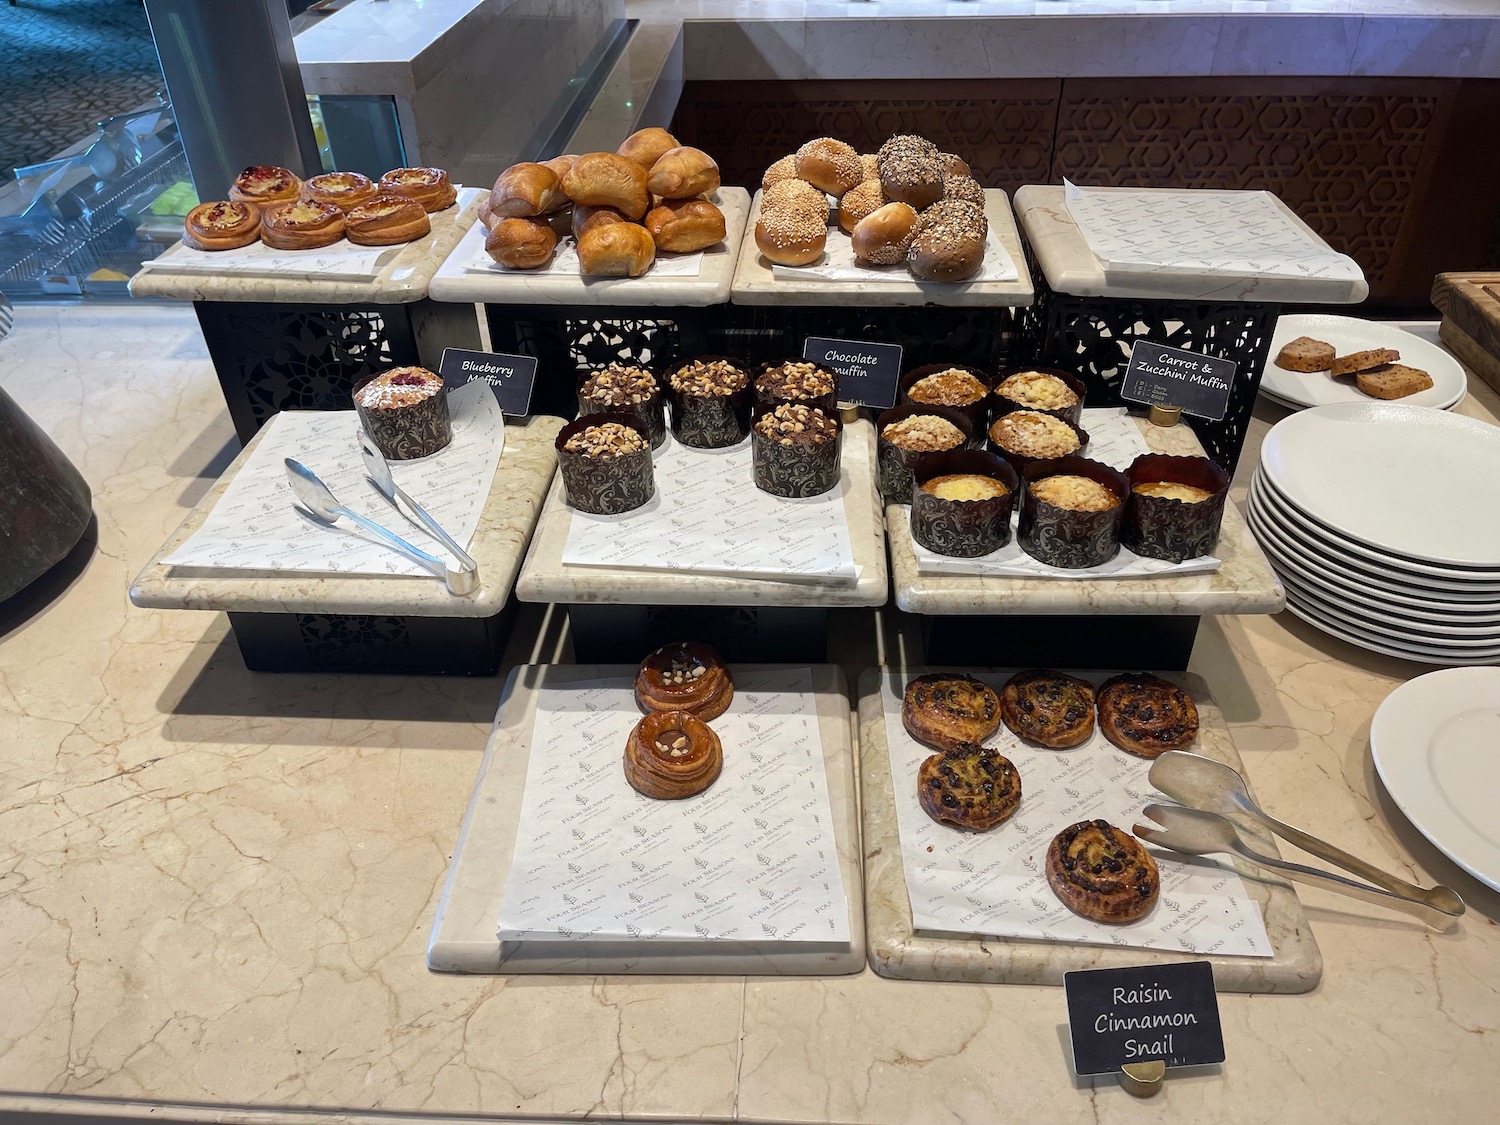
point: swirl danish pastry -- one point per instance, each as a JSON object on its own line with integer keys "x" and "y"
{"x": 1050, "y": 709}
{"x": 1102, "y": 873}
{"x": 671, "y": 755}
{"x": 345, "y": 190}
{"x": 684, "y": 676}
{"x": 949, "y": 710}
{"x": 1145, "y": 715}
{"x": 221, "y": 225}
{"x": 302, "y": 225}
{"x": 428, "y": 186}
{"x": 385, "y": 221}
{"x": 970, "y": 787}
{"x": 265, "y": 185}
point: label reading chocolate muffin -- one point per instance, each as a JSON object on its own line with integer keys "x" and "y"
{"x": 868, "y": 372}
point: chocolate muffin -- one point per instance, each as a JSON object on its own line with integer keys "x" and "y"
{"x": 796, "y": 450}
{"x": 797, "y": 381}
{"x": 625, "y": 389}
{"x": 710, "y": 402}
{"x": 605, "y": 463}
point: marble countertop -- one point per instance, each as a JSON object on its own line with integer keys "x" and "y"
{"x": 756, "y": 284}
{"x": 1244, "y": 584}
{"x": 400, "y": 281}
{"x": 218, "y": 885}
{"x": 505, "y": 525}
{"x": 1069, "y": 265}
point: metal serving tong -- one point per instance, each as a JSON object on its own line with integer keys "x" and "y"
{"x": 320, "y": 503}
{"x": 379, "y": 471}
{"x": 1208, "y": 788}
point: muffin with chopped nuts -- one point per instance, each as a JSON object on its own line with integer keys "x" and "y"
{"x": 797, "y": 381}
{"x": 710, "y": 397}
{"x": 905, "y": 435}
{"x": 605, "y": 463}
{"x": 796, "y": 450}
{"x": 965, "y": 389}
{"x": 625, "y": 389}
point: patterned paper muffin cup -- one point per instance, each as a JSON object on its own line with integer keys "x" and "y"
{"x": 605, "y": 486}
{"x": 976, "y": 412}
{"x": 796, "y": 470}
{"x": 1000, "y": 405}
{"x": 964, "y": 529}
{"x": 1017, "y": 461}
{"x": 404, "y": 433}
{"x": 709, "y": 421}
{"x": 1160, "y": 528}
{"x": 828, "y": 404}
{"x": 894, "y": 464}
{"x": 1060, "y": 536}
{"x": 652, "y": 412}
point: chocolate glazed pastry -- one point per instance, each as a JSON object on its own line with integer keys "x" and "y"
{"x": 1163, "y": 528}
{"x": 684, "y": 677}
{"x": 1102, "y": 873}
{"x": 710, "y": 397}
{"x": 964, "y": 529}
{"x": 605, "y": 463}
{"x": 1145, "y": 715}
{"x": 795, "y": 451}
{"x": 949, "y": 710}
{"x": 405, "y": 412}
{"x": 970, "y": 787}
{"x": 671, "y": 755}
{"x": 1048, "y": 708}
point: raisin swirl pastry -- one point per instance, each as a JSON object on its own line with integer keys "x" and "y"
{"x": 265, "y": 185}
{"x": 345, "y": 190}
{"x": 1102, "y": 873}
{"x": 385, "y": 221}
{"x": 221, "y": 225}
{"x": 949, "y": 710}
{"x": 1049, "y": 708}
{"x": 970, "y": 787}
{"x": 1145, "y": 715}
{"x": 303, "y": 225}
{"x": 671, "y": 755}
{"x": 428, "y": 186}
{"x": 684, "y": 677}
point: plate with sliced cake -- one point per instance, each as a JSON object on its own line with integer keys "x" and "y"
{"x": 1317, "y": 359}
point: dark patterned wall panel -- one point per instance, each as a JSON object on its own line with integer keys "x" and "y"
{"x": 1002, "y": 127}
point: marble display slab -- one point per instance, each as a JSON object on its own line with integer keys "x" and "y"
{"x": 400, "y": 281}
{"x": 756, "y": 284}
{"x": 1070, "y": 267}
{"x": 1244, "y": 583}
{"x": 898, "y": 950}
{"x": 454, "y": 282}
{"x": 545, "y": 578}
{"x": 505, "y": 525}
{"x": 463, "y": 934}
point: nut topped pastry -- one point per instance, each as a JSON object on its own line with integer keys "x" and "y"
{"x": 796, "y": 380}
{"x": 792, "y": 424}
{"x": 671, "y": 755}
{"x": 923, "y": 433}
{"x": 1029, "y": 433}
{"x": 795, "y": 451}
{"x": 604, "y": 460}
{"x": 1146, "y": 715}
{"x": 1075, "y": 493}
{"x": 1038, "y": 390}
{"x": 964, "y": 487}
{"x": 684, "y": 676}
{"x": 1102, "y": 872}
{"x": 619, "y": 385}
{"x": 710, "y": 402}
{"x": 405, "y": 412}
{"x": 953, "y": 387}
{"x": 1051, "y": 709}
{"x": 969, "y": 787}
{"x": 949, "y": 710}
{"x": 703, "y": 378}
{"x": 606, "y": 440}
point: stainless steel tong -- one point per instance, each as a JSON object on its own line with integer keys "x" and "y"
{"x": 1208, "y": 789}
{"x": 379, "y": 471}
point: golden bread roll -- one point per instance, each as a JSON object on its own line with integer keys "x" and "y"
{"x": 859, "y": 201}
{"x": 684, "y": 225}
{"x": 521, "y": 244}
{"x": 789, "y": 236}
{"x": 882, "y": 237}
{"x": 645, "y": 146}
{"x": 683, "y": 172}
{"x": 487, "y": 218}
{"x": 616, "y": 250}
{"x": 783, "y": 169}
{"x": 586, "y": 218}
{"x": 525, "y": 190}
{"x": 869, "y": 164}
{"x": 829, "y": 165}
{"x": 607, "y": 179}
{"x": 560, "y": 165}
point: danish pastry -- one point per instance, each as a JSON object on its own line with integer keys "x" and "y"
{"x": 1048, "y": 708}
{"x": 265, "y": 185}
{"x": 671, "y": 755}
{"x": 385, "y": 221}
{"x": 1145, "y": 715}
{"x": 684, "y": 677}
{"x": 970, "y": 787}
{"x": 428, "y": 186}
{"x": 221, "y": 225}
{"x": 303, "y": 225}
{"x": 1102, "y": 873}
{"x": 345, "y": 190}
{"x": 949, "y": 710}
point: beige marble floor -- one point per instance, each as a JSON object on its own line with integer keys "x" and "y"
{"x": 216, "y": 887}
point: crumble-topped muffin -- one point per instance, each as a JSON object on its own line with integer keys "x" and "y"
{"x": 1171, "y": 490}
{"x": 953, "y": 387}
{"x": 1038, "y": 390}
{"x": 964, "y": 486}
{"x": 923, "y": 433}
{"x": 1077, "y": 494}
{"x": 1027, "y": 433}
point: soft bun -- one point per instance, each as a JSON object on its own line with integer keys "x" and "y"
{"x": 829, "y": 165}
{"x": 882, "y": 237}
{"x": 616, "y": 250}
{"x": 560, "y": 165}
{"x": 789, "y": 236}
{"x": 524, "y": 190}
{"x": 521, "y": 244}
{"x": 783, "y": 169}
{"x": 859, "y": 201}
{"x": 947, "y": 250}
{"x": 607, "y": 179}
{"x": 683, "y": 172}
{"x": 685, "y": 225}
{"x": 587, "y": 218}
{"x": 645, "y": 146}
{"x": 798, "y": 195}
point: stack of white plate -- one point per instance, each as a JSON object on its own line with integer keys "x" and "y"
{"x": 1383, "y": 523}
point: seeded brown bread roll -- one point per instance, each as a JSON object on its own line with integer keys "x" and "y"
{"x": 911, "y": 171}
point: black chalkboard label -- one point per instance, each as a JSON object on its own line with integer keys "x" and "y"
{"x": 868, "y": 373}
{"x": 1163, "y": 376}
{"x": 1166, "y": 1012}
{"x": 511, "y": 377}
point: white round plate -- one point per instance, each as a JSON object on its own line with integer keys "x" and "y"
{"x": 1382, "y": 575}
{"x": 1350, "y": 334}
{"x": 1287, "y": 559}
{"x": 1401, "y": 479}
{"x": 1288, "y": 514}
{"x": 1384, "y": 645}
{"x": 1433, "y": 740}
{"x": 1398, "y": 630}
